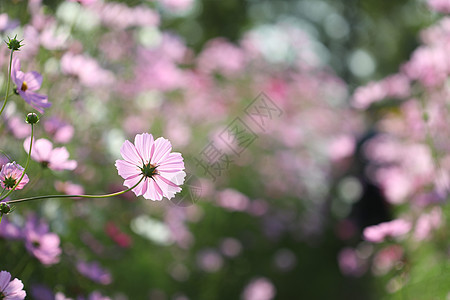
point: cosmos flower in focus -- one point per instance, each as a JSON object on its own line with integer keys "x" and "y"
{"x": 26, "y": 84}
{"x": 56, "y": 159}
{"x": 11, "y": 290}
{"x": 162, "y": 170}
{"x": 10, "y": 174}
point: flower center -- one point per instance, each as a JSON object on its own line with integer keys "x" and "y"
{"x": 36, "y": 244}
{"x": 24, "y": 86}
{"x": 9, "y": 182}
{"x": 149, "y": 170}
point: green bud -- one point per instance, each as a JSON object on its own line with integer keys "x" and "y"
{"x": 32, "y": 118}
{"x": 4, "y": 208}
{"x": 14, "y": 44}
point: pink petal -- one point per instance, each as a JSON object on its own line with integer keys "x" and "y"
{"x": 5, "y": 277}
{"x": 153, "y": 191}
{"x": 13, "y": 287}
{"x": 168, "y": 188}
{"x": 129, "y": 153}
{"x": 127, "y": 169}
{"x": 15, "y": 70}
{"x": 33, "y": 80}
{"x": 144, "y": 143}
{"x": 172, "y": 163}
{"x": 161, "y": 149}
{"x": 131, "y": 181}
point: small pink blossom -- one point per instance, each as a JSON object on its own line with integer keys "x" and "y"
{"x": 11, "y": 290}
{"x": 395, "y": 228}
{"x": 61, "y": 132}
{"x": 10, "y": 174}
{"x": 26, "y": 84}
{"x": 56, "y": 159}
{"x": 350, "y": 263}
{"x": 442, "y": 6}
{"x": 163, "y": 171}
{"x": 41, "y": 243}
{"x": 259, "y": 289}
{"x": 69, "y": 188}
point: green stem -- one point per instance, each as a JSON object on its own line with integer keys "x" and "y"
{"x": 74, "y": 196}
{"x": 26, "y": 166}
{"x": 9, "y": 82}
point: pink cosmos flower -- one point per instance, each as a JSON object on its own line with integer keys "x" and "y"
{"x": 26, "y": 84}
{"x": 395, "y": 228}
{"x": 11, "y": 290}
{"x": 60, "y": 131}
{"x": 163, "y": 171}
{"x": 10, "y": 174}
{"x": 41, "y": 243}
{"x": 56, "y": 159}
{"x": 259, "y": 289}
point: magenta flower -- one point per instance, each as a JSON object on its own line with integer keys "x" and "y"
{"x": 10, "y": 174}
{"x": 56, "y": 159}
{"x": 162, "y": 170}
{"x": 11, "y": 290}
{"x": 26, "y": 84}
{"x": 41, "y": 243}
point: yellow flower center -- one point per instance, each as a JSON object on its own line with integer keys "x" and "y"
{"x": 24, "y": 86}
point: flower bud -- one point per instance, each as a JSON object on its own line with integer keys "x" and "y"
{"x": 14, "y": 44}
{"x": 32, "y": 118}
{"x": 4, "y": 208}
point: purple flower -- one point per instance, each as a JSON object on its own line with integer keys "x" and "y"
{"x": 94, "y": 272}
{"x": 54, "y": 158}
{"x": 10, "y": 174}
{"x": 41, "y": 243}
{"x": 27, "y": 83}
{"x": 163, "y": 171}
{"x": 11, "y": 290}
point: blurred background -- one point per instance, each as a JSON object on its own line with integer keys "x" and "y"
{"x": 258, "y": 97}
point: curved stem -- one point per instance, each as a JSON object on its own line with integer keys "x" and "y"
{"x": 9, "y": 82}
{"x": 75, "y": 196}
{"x": 26, "y": 166}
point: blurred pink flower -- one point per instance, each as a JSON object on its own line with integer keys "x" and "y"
{"x": 9, "y": 230}
{"x": 69, "y": 188}
{"x": 41, "y": 243}
{"x": 18, "y": 127}
{"x": 395, "y": 228}
{"x": 7, "y": 23}
{"x": 209, "y": 260}
{"x": 94, "y": 272}
{"x": 386, "y": 258}
{"x": 232, "y": 200}
{"x": 428, "y": 222}
{"x": 56, "y": 159}
{"x": 259, "y": 289}
{"x": 26, "y": 84}
{"x": 61, "y": 132}
{"x": 350, "y": 263}
{"x": 442, "y": 6}
{"x": 221, "y": 56}
{"x": 11, "y": 290}
{"x": 10, "y": 174}
{"x": 87, "y": 69}
{"x": 163, "y": 171}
